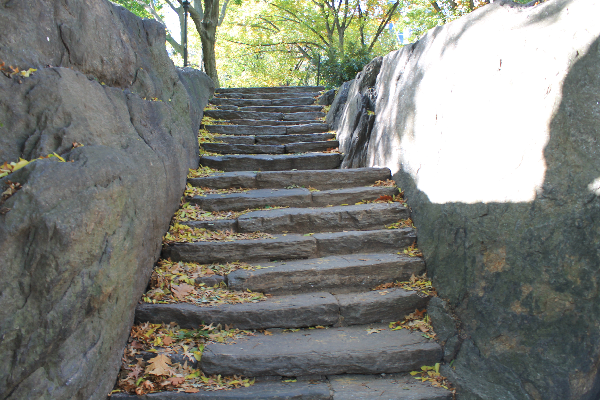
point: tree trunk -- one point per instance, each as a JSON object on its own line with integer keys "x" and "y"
{"x": 207, "y": 27}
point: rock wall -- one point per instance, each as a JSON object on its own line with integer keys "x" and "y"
{"x": 491, "y": 125}
{"x": 79, "y": 240}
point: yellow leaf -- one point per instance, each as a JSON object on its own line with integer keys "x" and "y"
{"x": 27, "y": 73}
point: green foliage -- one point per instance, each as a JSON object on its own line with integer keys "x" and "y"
{"x": 137, "y": 8}
{"x": 338, "y": 68}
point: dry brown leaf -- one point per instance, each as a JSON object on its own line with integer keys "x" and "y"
{"x": 168, "y": 340}
{"x": 176, "y": 381}
{"x": 182, "y": 290}
{"x": 160, "y": 365}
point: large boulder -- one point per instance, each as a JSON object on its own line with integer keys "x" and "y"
{"x": 491, "y": 125}
{"x": 79, "y": 240}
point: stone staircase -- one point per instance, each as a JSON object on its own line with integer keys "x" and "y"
{"x": 325, "y": 256}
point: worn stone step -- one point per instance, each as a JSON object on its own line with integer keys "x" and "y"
{"x": 292, "y": 246}
{"x": 318, "y": 179}
{"x": 266, "y": 129}
{"x": 292, "y": 311}
{"x": 239, "y": 139}
{"x": 338, "y": 274}
{"x": 272, "y": 89}
{"x": 348, "y": 350}
{"x": 266, "y": 390}
{"x": 229, "y": 148}
{"x": 277, "y": 139}
{"x": 327, "y": 219}
{"x": 293, "y": 197}
{"x": 295, "y": 101}
{"x": 283, "y": 95}
{"x": 276, "y": 109}
{"x": 295, "y": 138}
{"x": 282, "y": 162}
{"x": 288, "y": 116}
{"x": 262, "y": 122}
{"x": 390, "y": 387}
{"x": 295, "y": 311}
{"x": 290, "y": 148}
{"x": 303, "y": 147}
{"x": 375, "y": 241}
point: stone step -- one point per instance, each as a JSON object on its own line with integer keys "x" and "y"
{"x": 272, "y": 89}
{"x": 255, "y": 122}
{"x": 263, "y": 162}
{"x": 284, "y": 95}
{"x": 228, "y": 148}
{"x": 293, "y": 311}
{"x": 295, "y": 138}
{"x": 276, "y": 139}
{"x": 275, "y": 109}
{"x": 294, "y": 197}
{"x": 337, "y": 274}
{"x": 294, "y": 101}
{"x": 318, "y": 179}
{"x": 337, "y": 387}
{"x": 290, "y": 148}
{"x": 292, "y": 246}
{"x": 277, "y": 116}
{"x": 390, "y": 387}
{"x": 327, "y": 219}
{"x": 260, "y": 130}
{"x": 266, "y": 390}
{"x": 348, "y": 350}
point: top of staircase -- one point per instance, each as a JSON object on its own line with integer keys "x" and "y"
{"x": 272, "y": 89}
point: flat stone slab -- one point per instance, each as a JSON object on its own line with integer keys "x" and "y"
{"x": 284, "y": 95}
{"x": 390, "y": 387}
{"x": 255, "y": 122}
{"x": 218, "y": 101}
{"x": 259, "y": 198}
{"x": 280, "y": 248}
{"x": 303, "y": 147}
{"x": 351, "y": 195}
{"x": 324, "y": 179}
{"x": 214, "y": 225}
{"x": 276, "y": 390}
{"x": 319, "y": 179}
{"x": 376, "y": 241}
{"x": 317, "y": 127}
{"x": 295, "y": 138}
{"x": 297, "y": 101}
{"x": 296, "y": 311}
{"x": 327, "y": 219}
{"x": 239, "y": 139}
{"x": 271, "y": 89}
{"x": 238, "y": 179}
{"x": 336, "y": 274}
{"x": 379, "y": 305}
{"x": 262, "y": 162}
{"x": 283, "y": 109}
{"x": 246, "y": 129}
{"x": 229, "y": 148}
{"x": 348, "y": 350}
{"x": 287, "y": 116}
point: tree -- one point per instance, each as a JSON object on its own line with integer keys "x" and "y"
{"x": 343, "y": 34}
{"x": 206, "y": 15}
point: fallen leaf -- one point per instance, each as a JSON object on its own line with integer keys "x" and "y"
{"x": 27, "y": 73}
{"x": 268, "y": 333}
{"x": 373, "y": 330}
{"x": 176, "y": 381}
{"x": 180, "y": 291}
{"x": 192, "y": 390}
{"x": 159, "y": 365}
{"x": 168, "y": 340}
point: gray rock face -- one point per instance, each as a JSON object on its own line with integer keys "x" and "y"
{"x": 337, "y": 107}
{"x": 326, "y": 99}
{"x": 78, "y": 242}
{"x": 501, "y": 171}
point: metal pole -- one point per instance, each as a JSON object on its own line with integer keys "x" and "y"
{"x": 186, "y": 5}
